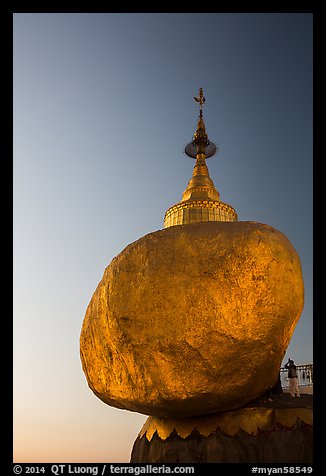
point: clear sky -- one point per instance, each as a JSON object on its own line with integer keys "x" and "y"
{"x": 103, "y": 107}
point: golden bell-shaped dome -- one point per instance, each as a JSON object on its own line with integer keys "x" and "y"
{"x": 200, "y": 200}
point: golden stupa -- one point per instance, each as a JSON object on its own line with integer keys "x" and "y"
{"x": 200, "y": 201}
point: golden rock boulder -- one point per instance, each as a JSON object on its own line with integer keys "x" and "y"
{"x": 192, "y": 319}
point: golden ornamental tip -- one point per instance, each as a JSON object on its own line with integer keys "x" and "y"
{"x": 200, "y": 98}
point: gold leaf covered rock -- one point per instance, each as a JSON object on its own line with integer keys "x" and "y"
{"x": 192, "y": 319}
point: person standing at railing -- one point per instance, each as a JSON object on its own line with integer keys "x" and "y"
{"x": 293, "y": 378}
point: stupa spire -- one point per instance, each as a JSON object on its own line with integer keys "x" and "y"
{"x": 201, "y": 185}
{"x": 200, "y": 137}
{"x": 200, "y": 200}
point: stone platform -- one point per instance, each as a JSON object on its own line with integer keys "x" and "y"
{"x": 275, "y": 429}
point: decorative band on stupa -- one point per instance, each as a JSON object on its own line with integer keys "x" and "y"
{"x": 200, "y": 201}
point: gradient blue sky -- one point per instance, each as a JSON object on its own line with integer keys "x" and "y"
{"x": 103, "y": 107}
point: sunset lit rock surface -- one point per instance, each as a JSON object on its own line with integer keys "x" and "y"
{"x": 192, "y": 319}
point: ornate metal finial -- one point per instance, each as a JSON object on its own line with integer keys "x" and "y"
{"x": 200, "y": 98}
{"x": 200, "y": 144}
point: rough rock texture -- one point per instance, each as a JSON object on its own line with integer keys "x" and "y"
{"x": 281, "y": 445}
{"x": 271, "y": 430}
{"x": 192, "y": 319}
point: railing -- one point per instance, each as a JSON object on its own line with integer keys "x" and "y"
{"x": 304, "y": 372}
